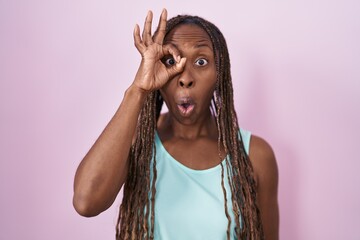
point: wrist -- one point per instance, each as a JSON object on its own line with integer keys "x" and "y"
{"x": 134, "y": 90}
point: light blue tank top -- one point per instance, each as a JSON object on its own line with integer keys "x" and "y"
{"x": 189, "y": 204}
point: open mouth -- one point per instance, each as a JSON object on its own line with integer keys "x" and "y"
{"x": 185, "y": 105}
{"x": 186, "y": 108}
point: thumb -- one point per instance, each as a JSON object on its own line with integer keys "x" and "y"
{"x": 177, "y": 68}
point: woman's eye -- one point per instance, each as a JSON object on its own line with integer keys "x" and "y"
{"x": 201, "y": 62}
{"x": 169, "y": 62}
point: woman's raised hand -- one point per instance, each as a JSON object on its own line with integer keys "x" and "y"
{"x": 153, "y": 73}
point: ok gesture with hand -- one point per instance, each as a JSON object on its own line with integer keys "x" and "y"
{"x": 152, "y": 73}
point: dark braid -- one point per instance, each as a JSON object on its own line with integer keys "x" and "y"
{"x": 133, "y": 222}
{"x": 135, "y": 207}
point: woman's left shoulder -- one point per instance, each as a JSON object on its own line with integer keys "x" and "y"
{"x": 265, "y": 169}
{"x": 263, "y": 160}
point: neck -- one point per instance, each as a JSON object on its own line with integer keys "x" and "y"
{"x": 203, "y": 127}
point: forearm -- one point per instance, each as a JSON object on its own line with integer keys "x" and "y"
{"x": 103, "y": 170}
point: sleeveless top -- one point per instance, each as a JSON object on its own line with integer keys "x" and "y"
{"x": 189, "y": 204}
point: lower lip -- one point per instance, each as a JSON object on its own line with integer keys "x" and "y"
{"x": 185, "y": 111}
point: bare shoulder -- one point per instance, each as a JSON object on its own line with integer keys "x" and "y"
{"x": 263, "y": 160}
{"x": 265, "y": 168}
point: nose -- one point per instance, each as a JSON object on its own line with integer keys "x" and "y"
{"x": 186, "y": 79}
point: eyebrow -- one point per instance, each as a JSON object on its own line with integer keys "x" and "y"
{"x": 200, "y": 45}
{"x": 203, "y": 43}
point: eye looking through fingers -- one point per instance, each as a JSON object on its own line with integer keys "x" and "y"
{"x": 168, "y": 61}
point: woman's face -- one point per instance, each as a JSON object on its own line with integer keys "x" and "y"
{"x": 188, "y": 94}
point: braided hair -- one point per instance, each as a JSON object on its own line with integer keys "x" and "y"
{"x": 136, "y": 216}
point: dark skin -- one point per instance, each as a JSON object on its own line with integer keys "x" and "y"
{"x": 189, "y": 126}
{"x": 182, "y": 66}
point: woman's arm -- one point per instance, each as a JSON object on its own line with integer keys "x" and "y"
{"x": 103, "y": 170}
{"x": 266, "y": 175}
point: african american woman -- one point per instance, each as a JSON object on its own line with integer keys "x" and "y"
{"x": 191, "y": 173}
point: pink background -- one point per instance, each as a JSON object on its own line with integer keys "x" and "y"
{"x": 64, "y": 66}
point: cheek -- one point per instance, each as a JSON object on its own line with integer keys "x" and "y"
{"x": 210, "y": 74}
{"x": 166, "y": 93}
{"x": 207, "y": 80}
{"x": 210, "y": 86}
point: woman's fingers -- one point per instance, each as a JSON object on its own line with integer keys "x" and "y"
{"x": 176, "y": 68}
{"x": 179, "y": 62}
{"x": 161, "y": 30}
{"x": 170, "y": 49}
{"x": 137, "y": 40}
{"x": 146, "y": 38}
{"x": 146, "y": 35}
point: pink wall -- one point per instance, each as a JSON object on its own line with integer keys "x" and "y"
{"x": 64, "y": 66}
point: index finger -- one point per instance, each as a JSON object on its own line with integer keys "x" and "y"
{"x": 161, "y": 30}
{"x": 172, "y": 50}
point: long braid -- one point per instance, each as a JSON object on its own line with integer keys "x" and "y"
{"x": 135, "y": 207}
{"x": 243, "y": 184}
{"x": 136, "y": 210}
